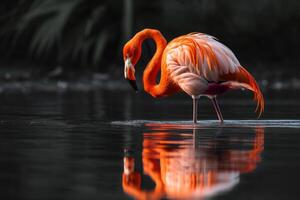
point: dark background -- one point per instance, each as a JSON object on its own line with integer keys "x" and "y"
{"x": 43, "y": 35}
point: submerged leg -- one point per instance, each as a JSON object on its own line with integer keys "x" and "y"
{"x": 217, "y": 109}
{"x": 195, "y": 108}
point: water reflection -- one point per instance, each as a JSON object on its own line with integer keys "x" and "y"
{"x": 185, "y": 164}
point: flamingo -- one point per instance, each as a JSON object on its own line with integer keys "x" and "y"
{"x": 196, "y": 63}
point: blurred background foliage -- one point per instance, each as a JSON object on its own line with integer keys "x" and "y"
{"x": 79, "y": 34}
{"x": 69, "y": 33}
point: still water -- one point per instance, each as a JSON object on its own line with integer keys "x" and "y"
{"x": 114, "y": 144}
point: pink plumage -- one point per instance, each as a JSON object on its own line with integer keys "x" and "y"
{"x": 196, "y": 63}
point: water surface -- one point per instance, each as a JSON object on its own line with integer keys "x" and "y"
{"x": 117, "y": 145}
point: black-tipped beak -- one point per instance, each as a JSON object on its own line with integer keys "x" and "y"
{"x": 133, "y": 84}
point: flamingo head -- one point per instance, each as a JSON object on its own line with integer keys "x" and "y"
{"x": 131, "y": 55}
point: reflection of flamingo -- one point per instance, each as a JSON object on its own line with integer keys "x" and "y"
{"x": 182, "y": 170}
{"x": 195, "y": 63}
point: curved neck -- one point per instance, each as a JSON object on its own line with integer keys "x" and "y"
{"x": 154, "y": 66}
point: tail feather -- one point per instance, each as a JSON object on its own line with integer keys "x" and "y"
{"x": 244, "y": 77}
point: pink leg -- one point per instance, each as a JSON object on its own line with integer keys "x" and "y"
{"x": 217, "y": 109}
{"x": 195, "y": 108}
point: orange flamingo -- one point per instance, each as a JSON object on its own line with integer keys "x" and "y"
{"x": 195, "y": 63}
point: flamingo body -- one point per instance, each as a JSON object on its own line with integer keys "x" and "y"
{"x": 195, "y": 63}
{"x": 195, "y": 60}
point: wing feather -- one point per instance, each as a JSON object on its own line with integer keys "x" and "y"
{"x": 196, "y": 58}
{"x": 204, "y": 55}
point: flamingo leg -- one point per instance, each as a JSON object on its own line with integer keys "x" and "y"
{"x": 217, "y": 109}
{"x": 195, "y": 109}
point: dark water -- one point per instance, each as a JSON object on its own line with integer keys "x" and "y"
{"x": 117, "y": 145}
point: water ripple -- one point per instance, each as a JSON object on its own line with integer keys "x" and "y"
{"x": 210, "y": 123}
